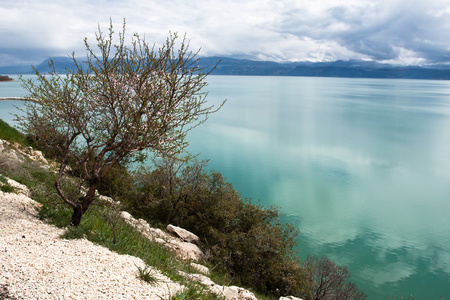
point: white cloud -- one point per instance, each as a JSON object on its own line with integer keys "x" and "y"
{"x": 275, "y": 30}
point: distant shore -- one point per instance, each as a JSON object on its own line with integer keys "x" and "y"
{"x": 5, "y": 78}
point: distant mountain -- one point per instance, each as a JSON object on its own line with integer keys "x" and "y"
{"x": 233, "y": 66}
{"x": 61, "y": 63}
{"x": 351, "y": 69}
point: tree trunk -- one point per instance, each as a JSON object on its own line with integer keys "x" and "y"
{"x": 76, "y": 216}
{"x": 84, "y": 203}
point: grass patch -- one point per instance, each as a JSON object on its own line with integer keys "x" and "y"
{"x": 11, "y": 134}
{"x": 146, "y": 274}
{"x": 8, "y": 189}
{"x": 100, "y": 226}
{"x": 5, "y": 187}
{"x": 193, "y": 292}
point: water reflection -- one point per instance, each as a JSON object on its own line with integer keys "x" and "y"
{"x": 361, "y": 167}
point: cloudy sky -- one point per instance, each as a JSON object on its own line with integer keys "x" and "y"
{"x": 394, "y": 31}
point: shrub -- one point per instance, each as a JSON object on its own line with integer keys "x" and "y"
{"x": 243, "y": 239}
{"x": 330, "y": 281}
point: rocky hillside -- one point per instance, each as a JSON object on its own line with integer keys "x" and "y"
{"x": 36, "y": 263}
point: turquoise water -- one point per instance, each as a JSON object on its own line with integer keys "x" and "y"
{"x": 361, "y": 166}
{"x": 11, "y": 89}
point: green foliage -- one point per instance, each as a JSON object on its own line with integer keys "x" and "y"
{"x": 3, "y": 179}
{"x": 245, "y": 240}
{"x": 242, "y": 238}
{"x": 11, "y": 134}
{"x": 118, "y": 183}
{"x": 95, "y": 226}
{"x": 192, "y": 292}
{"x": 8, "y": 189}
{"x": 74, "y": 233}
{"x": 146, "y": 274}
{"x": 122, "y": 100}
{"x": 5, "y": 187}
{"x": 50, "y": 147}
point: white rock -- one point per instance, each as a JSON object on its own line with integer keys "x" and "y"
{"x": 143, "y": 224}
{"x": 39, "y": 156}
{"x": 290, "y": 298}
{"x": 23, "y": 188}
{"x": 104, "y": 198}
{"x": 160, "y": 241}
{"x": 158, "y": 233}
{"x": 237, "y": 293}
{"x": 200, "y": 268}
{"x": 126, "y": 216}
{"x": 183, "y": 234}
{"x": 187, "y": 250}
{"x": 199, "y": 278}
{"x": 213, "y": 287}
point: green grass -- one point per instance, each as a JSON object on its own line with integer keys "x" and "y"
{"x": 11, "y": 134}
{"x": 146, "y": 274}
{"x": 118, "y": 236}
{"x": 6, "y": 187}
{"x": 97, "y": 226}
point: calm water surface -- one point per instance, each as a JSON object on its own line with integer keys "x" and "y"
{"x": 361, "y": 166}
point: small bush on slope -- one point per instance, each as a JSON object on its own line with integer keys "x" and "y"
{"x": 244, "y": 239}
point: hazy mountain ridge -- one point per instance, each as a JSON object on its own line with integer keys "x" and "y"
{"x": 351, "y": 68}
{"x": 234, "y": 66}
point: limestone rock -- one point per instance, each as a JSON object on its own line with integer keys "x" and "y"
{"x": 198, "y": 278}
{"x": 290, "y": 298}
{"x": 159, "y": 233}
{"x": 183, "y": 234}
{"x": 22, "y": 188}
{"x": 106, "y": 199}
{"x": 200, "y": 268}
{"x": 237, "y": 293}
{"x": 186, "y": 250}
{"x": 206, "y": 281}
{"x": 160, "y": 241}
{"x": 126, "y": 216}
{"x": 39, "y": 156}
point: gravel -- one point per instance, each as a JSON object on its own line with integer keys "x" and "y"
{"x": 35, "y": 263}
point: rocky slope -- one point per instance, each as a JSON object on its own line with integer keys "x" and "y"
{"x": 35, "y": 263}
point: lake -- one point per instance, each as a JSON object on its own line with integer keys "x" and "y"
{"x": 360, "y": 166}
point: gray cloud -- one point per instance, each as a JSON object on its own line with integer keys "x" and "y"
{"x": 409, "y": 31}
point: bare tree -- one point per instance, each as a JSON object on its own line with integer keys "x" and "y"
{"x": 329, "y": 281}
{"x": 120, "y": 101}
